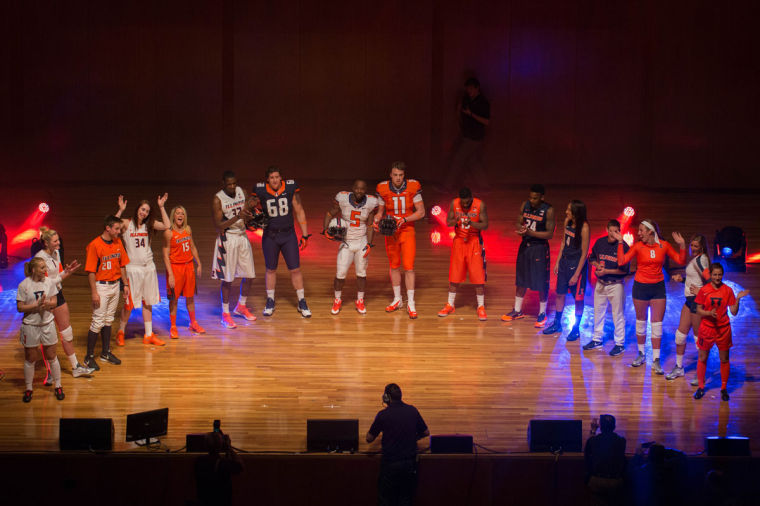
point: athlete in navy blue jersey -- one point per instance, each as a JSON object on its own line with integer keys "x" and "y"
{"x": 280, "y": 201}
{"x": 535, "y": 225}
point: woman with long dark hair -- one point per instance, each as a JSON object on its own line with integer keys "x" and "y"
{"x": 571, "y": 267}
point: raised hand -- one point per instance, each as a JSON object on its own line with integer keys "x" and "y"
{"x": 122, "y": 203}
{"x": 678, "y": 238}
{"x": 162, "y": 199}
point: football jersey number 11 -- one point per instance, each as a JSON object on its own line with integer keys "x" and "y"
{"x": 399, "y": 202}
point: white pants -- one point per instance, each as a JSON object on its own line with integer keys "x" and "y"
{"x": 233, "y": 257}
{"x": 613, "y": 294}
{"x": 109, "y": 300}
{"x": 143, "y": 284}
{"x": 31, "y": 336}
{"x": 352, "y": 251}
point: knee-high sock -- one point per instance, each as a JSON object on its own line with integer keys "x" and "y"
{"x": 92, "y": 338}
{"x": 725, "y": 367}
{"x": 28, "y": 374}
{"x": 701, "y": 370}
{"x": 55, "y": 370}
{"x": 105, "y": 336}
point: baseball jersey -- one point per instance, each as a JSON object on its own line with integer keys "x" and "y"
{"x": 473, "y": 213}
{"x": 106, "y": 258}
{"x": 29, "y": 291}
{"x": 137, "y": 244}
{"x": 180, "y": 251}
{"x": 231, "y": 207}
{"x": 716, "y": 298}
{"x": 278, "y": 205}
{"x": 54, "y": 266}
{"x": 535, "y": 219}
{"x": 355, "y": 213}
{"x": 606, "y": 251}
{"x": 399, "y": 202}
{"x": 650, "y": 259}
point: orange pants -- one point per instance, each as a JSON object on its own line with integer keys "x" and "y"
{"x": 401, "y": 248}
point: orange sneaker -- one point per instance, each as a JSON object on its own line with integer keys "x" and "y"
{"x": 196, "y": 327}
{"x": 227, "y": 321}
{"x": 393, "y": 306}
{"x": 512, "y": 315}
{"x": 482, "y": 313}
{"x": 337, "y": 303}
{"x": 120, "y": 338}
{"x": 360, "y": 306}
{"x": 446, "y": 311}
{"x": 243, "y": 311}
{"x": 173, "y": 332}
{"x": 152, "y": 339}
{"x": 412, "y": 314}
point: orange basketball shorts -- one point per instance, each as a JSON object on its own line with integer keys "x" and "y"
{"x": 184, "y": 281}
{"x": 467, "y": 259}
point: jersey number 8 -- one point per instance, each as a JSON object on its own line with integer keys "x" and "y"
{"x": 651, "y": 253}
{"x": 277, "y": 207}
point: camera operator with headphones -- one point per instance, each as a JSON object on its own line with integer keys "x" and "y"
{"x": 401, "y": 425}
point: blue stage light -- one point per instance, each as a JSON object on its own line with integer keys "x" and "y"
{"x": 727, "y": 252}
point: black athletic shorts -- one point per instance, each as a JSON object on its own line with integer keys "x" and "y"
{"x": 648, "y": 291}
{"x": 532, "y": 270}
{"x": 691, "y": 304}
{"x": 61, "y": 299}
{"x": 567, "y": 267}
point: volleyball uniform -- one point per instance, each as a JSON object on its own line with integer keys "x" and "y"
{"x": 141, "y": 271}
{"x": 649, "y": 282}
{"x": 105, "y": 259}
{"x": 697, "y": 272}
{"x": 233, "y": 256}
{"x": 183, "y": 269}
{"x": 280, "y": 234}
{"x": 467, "y": 252}
{"x": 354, "y": 215}
{"x": 401, "y": 247}
{"x": 568, "y": 264}
{"x": 715, "y": 330}
{"x": 532, "y": 270}
{"x": 54, "y": 271}
{"x": 37, "y": 328}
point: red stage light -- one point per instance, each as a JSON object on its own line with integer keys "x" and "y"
{"x": 753, "y": 259}
{"x": 436, "y": 210}
{"x": 43, "y": 207}
{"x": 629, "y": 211}
{"x": 435, "y": 237}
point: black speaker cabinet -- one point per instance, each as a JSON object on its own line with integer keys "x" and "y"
{"x": 727, "y": 447}
{"x": 195, "y": 442}
{"x": 94, "y": 434}
{"x": 332, "y": 435}
{"x": 555, "y": 435}
{"x": 459, "y": 443}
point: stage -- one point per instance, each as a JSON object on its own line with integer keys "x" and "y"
{"x": 264, "y": 379}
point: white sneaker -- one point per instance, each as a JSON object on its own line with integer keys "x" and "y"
{"x": 81, "y": 370}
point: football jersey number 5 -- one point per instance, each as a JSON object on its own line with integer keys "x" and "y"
{"x": 277, "y": 207}
{"x": 356, "y": 218}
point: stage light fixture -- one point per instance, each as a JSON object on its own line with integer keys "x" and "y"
{"x": 43, "y": 207}
{"x": 436, "y": 210}
{"x": 629, "y": 212}
{"x": 435, "y": 237}
{"x": 731, "y": 248}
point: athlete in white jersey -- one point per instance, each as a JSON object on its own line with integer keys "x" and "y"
{"x": 233, "y": 256}
{"x": 35, "y": 298}
{"x": 696, "y": 275}
{"x": 141, "y": 271}
{"x": 355, "y": 208}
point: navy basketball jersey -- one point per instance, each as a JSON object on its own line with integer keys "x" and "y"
{"x": 278, "y": 205}
{"x": 535, "y": 219}
{"x": 572, "y": 244}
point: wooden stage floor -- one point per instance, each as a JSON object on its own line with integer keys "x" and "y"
{"x": 488, "y": 379}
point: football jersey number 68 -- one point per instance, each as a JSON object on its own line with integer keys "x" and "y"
{"x": 277, "y": 207}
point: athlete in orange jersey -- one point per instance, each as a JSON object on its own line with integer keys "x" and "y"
{"x": 401, "y": 198}
{"x": 468, "y": 217}
{"x": 649, "y": 284}
{"x": 713, "y": 302}
{"x": 179, "y": 252}
{"x": 106, "y": 266}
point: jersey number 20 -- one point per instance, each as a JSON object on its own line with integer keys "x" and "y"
{"x": 277, "y": 207}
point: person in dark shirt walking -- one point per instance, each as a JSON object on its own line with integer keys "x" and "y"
{"x": 401, "y": 425}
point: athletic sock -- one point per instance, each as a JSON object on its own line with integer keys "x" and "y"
{"x": 73, "y": 360}
{"x": 242, "y": 300}
{"x": 55, "y": 372}
{"x": 701, "y": 370}
{"x": 191, "y": 314}
{"x": 396, "y": 293}
{"x": 725, "y": 367}
{"x": 148, "y": 328}
{"x": 410, "y": 300}
{"x": 299, "y": 294}
{"x": 679, "y": 360}
{"x": 270, "y": 294}
{"x": 225, "y": 307}
{"x": 655, "y": 353}
{"x": 105, "y": 336}
{"x": 578, "y": 318}
{"x": 173, "y": 319}
{"x": 518, "y": 304}
{"x": 338, "y": 294}
{"x": 360, "y": 295}
{"x": 452, "y": 298}
{"x": 642, "y": 347}
{"x": 481, "y": 300}
{"x": 92, "y": 338}
{"x": 541, "y": 307}
{"x": 28, "y": 374}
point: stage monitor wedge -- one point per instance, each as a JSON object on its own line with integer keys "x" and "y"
{"x": 555, "y": 435}
{"x": 735, "y": 446}
{"x": 147, "y": 425}
{"x": 451, "y": 443}
{"x": 93, "y": 434}
{"x": 332, "y": 435}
